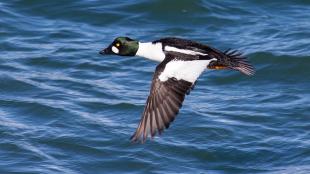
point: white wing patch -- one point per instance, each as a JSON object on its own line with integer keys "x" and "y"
{"x": 185, "y": 70}
{"x": 190, "y": 52}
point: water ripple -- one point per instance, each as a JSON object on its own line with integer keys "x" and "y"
{"x": 66, "y": 109}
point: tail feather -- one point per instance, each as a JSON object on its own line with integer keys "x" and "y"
{"x": 238, "y": 62}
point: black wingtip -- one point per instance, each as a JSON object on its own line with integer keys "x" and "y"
{"x": 135, "y": 139}
{"x": 141, "y": 139}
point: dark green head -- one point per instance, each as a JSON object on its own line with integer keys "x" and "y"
{"x": 123, "y": 46}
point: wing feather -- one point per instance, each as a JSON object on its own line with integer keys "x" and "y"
{"x": 161, "y": 108}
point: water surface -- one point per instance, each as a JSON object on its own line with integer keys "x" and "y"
{"x": 66, "y": 109}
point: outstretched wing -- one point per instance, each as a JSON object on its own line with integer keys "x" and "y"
{"x": 173, "y": 79}
{"x": 161, "y": 107}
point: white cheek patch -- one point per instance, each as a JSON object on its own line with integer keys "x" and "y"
{"x": 115, "y": 50}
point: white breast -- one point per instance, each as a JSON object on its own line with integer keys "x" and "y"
{"x": 185, "y": 70}
{"x": 152, "y": 51}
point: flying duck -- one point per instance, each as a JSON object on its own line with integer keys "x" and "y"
{"x": 181, "y": 63}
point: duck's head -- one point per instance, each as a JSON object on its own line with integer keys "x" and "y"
{"x": 123, "y": 46}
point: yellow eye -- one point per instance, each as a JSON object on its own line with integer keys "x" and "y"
{"x": 117, "y": 44}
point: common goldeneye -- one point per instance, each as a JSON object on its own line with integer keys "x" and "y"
{"x": 181, "y": 63}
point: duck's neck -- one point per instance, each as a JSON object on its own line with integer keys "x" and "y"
{"x": 152, "y": 51}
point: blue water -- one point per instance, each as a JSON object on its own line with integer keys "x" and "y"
{"x": 66, "y": 109}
